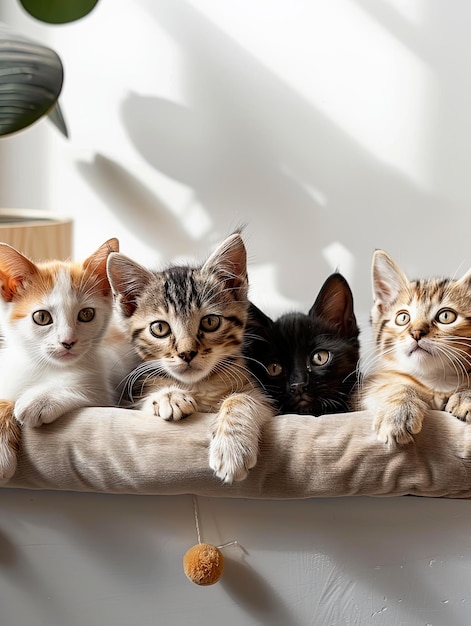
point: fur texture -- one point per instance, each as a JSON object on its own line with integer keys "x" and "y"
{"x": 187, "y": 325}
{"x": 54, "y": 317}
{"x": 308, "y": 363}
{"x": 422, "y": 360}
{"x": 10, "y": 437}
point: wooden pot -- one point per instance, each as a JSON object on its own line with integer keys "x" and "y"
{"x": 39, "y": 235}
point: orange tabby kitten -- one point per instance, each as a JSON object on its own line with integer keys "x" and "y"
{"x": 422, "y": 333}
{"x": 54, "y": 357}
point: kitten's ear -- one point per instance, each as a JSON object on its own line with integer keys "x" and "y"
{"x": 128, "y": 280}
{"x": 96, "y": 263}
{"x": 335, "y": 304}
{"x": 388, "y": 280}
{"x": 229, "y": 261}
{"x": 466, "y": 279}
{"x": 257, "y": 318}
{"x": 15, "y": 270}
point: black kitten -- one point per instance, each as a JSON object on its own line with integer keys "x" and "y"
{"x": 307, "y": 363}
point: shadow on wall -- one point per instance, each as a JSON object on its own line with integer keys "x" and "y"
{"x": 250, "y": 591}
{"x": 137, "y": 206}
{"x": 254, "y": 151}
{"x": 380, "y": 544}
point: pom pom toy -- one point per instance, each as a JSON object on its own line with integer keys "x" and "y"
{"x": 203, "y": 564}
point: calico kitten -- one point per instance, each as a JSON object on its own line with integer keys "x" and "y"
{"x": 422, "y": 335}
{"x": 53, "y": 318}
{"x": 187, "y": 324}
{"x": 307, "y": 363}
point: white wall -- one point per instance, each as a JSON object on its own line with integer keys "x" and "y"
{"x": 330, "y": 128}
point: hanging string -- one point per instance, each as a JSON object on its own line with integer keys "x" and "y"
{"x": 197, "y": 523}
{"x": 203, "y": 564}
{"x": 231, "y": 543}
{"x": 198, "y": 533}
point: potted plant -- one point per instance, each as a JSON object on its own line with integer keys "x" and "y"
{"x": 31, "y": 77}
{"x": 31, "y": 74}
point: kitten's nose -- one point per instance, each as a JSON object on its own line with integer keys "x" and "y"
{"x": 298, "y": 386}
{"x": 417, "y": 333}
{"x": 188, "y": 356}
{"x": 68, "y": 346}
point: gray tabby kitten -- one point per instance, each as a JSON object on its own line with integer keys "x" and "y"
{"x": 187, "y": 324}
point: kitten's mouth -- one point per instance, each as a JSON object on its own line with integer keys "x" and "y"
{"x": 66, "y": 355}
{"x": 185, "y": 368}
{"x": 419, "y": 350}
{"x": 188, "y": 373}
{"x": 301, "y": 404}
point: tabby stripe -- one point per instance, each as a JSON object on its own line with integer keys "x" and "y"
{"x": 180, "y": 290}
{"x": 380, "y": 330}
{"x": 137, "y": 333}
{"x": 235, "y": 320}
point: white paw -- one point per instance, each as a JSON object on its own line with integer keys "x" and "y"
{"x": 170, "y": 404}
{"x": 398, "y": 424}
{"x": 459, "y": 405}
{"x": 231, "y": 457}
{"x": 37, "y": 410}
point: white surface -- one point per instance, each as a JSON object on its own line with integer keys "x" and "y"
{"x": 331, "y": 128}
{"x": 74, "y": 559}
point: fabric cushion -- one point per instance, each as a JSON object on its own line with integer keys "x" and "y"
{"x": 122, "y": 451}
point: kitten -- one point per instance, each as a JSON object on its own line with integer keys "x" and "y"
{"x": 53, "y": 318}
{"x": 307, "y": 363}
{"x": 187, "y": 324}
{"x": 422, "y": 335}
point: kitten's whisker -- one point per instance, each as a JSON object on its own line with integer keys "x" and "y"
{"x": 370, "y": 362}
{"x": 456, "y": 357}
{"x": 352, "y": 374}
{"x": 229, "y": 370}
{"x": 142, "y": 374}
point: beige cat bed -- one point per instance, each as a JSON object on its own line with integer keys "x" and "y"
{"x": 121, "y": 451}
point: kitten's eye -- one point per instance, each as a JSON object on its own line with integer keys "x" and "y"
{"x": 42, "y": 318}
{"x": 210, "y": 323}
{"x": 402, "y": 318}
{"x": 160, "y": 329}
{"x": 274, "y": 369}
{"x": 86, "y": 315}
{"x": 321, "y": 357}
{"x": 446, "y": 316}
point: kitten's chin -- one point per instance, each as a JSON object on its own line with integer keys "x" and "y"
{"x": 187, "y": 375}
{"x": 64, "y": 358}
{"x": 415, "y": 355}
{"x": 421, "y": 363}
{"x": 303, "y": 406}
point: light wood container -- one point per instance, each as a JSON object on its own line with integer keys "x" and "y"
{"x": 39, "y": 235}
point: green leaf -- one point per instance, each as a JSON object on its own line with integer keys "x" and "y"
{"x": 56, "y": 117}
{"x": 31, "y": 77}
{"x": 58, "y": 11}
